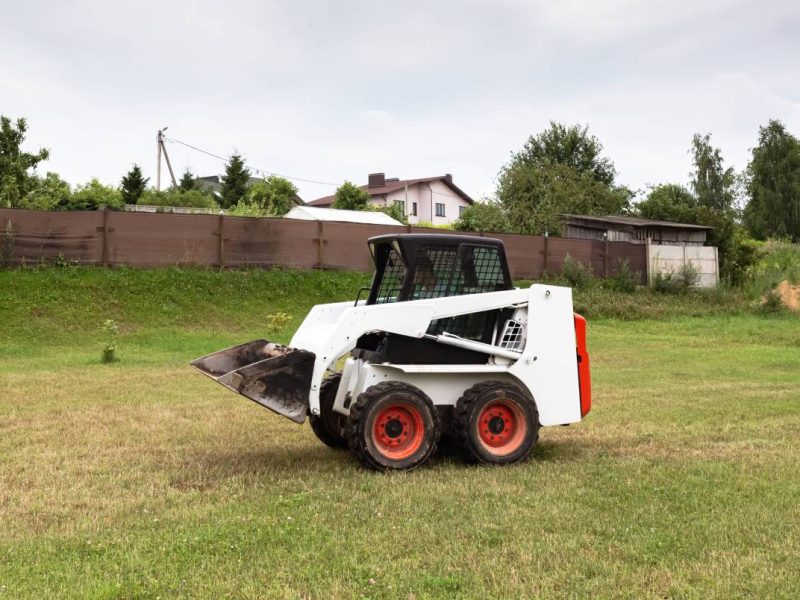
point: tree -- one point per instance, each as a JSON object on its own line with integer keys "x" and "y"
{"x": 714, "y": 186}
{"x": 483, "y": 216}
{"x": 133, "y": 185}
{"x": 274, "y": 196}
{"x": 15, "y": 164}
{"x": 669, "y": 202}
{"x": 235, "y": 182}
{"x": 350, "y": 197}
{"x": 177, "y": 197}
{"x": 559, "y": 170}
{"x": 569, "y": 145}
{"x": 47, "y": 193}
{"x": 774, "y": 184}
{"x": 535, "y": 197}
{"x": 188, "y": 181}
{"x": 92, "y": 196}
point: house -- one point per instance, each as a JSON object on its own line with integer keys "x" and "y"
{"x": 315, "y": 213}
{"x": 634, "y": 230}
{"x": 435, "y": 200}
{"x": 214, "y": 183}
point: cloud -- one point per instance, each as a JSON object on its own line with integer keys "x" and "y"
{"x": 333, "y": 91}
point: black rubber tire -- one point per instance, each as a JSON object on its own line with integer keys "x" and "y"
{"x": 362, "y": 418}
{"x": 326, "y": 425}
{"x": 468, "y": 409}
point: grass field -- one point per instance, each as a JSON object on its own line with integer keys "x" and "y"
{"x": 143, "y": 479}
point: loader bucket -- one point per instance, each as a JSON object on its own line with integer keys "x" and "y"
{"x": 276, "y": 377}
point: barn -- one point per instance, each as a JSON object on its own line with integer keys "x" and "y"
{"x": 634, "y": 230}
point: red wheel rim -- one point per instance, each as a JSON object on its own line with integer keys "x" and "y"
{"x": 398, "y": 430}
{"x": 501, "y": 427}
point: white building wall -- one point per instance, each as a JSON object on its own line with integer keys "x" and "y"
{"x": 670, "y": 259}
{"x": 427, "y": 196}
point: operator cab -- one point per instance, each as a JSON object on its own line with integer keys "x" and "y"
{"x": 422, "y": 266}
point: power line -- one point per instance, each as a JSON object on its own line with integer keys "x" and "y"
{"x": 256, "y": 169}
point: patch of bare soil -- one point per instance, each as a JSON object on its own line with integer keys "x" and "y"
{"x": 789, "y": 294}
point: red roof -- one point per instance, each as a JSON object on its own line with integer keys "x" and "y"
{"x": 394, "y": 185}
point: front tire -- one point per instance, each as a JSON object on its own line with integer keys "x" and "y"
{"x": 393, "y": 426}
{"x": 496, "y": 423}
{"x": 326, "y": 425}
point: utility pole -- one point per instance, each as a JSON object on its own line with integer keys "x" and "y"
{"x": 163, "y": 149}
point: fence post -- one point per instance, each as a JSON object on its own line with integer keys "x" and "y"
{"x": 320, "y": 242}
{"x": 544, "y": 261}
{"x": 605, "y": 255}
{"x": 647, "y": 268}
{"x": 221, "y": 247}
{"x": 105, "y": 237}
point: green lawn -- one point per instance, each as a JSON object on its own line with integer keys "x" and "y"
{"x": 143, "y": 479}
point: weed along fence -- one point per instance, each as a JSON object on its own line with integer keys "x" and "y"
{"x": 110, "y": 238}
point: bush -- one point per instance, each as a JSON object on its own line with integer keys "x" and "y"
{"x": 92, "y": 196}
{"x": 623, "y": 280}
{"x": 681, "y": 282}
{"x": 576, "y": 273}
{"x": 483, "y": 216}
{"x": 179, "y": 198}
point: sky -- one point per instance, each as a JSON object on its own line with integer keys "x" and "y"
{"x": 330, "y": 91}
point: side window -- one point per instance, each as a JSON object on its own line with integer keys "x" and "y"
{"x": 488, "y": 270}
{"x": 439, "y": 209}
{"x": 414, "y": 209}
{"x": 461, "y": 210}
{"x": 401, "y": 204}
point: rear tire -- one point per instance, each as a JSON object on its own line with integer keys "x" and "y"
{"x": 393, "y": 426}
{"x": 326, "y": 426}
{"x": 496, "y": 423}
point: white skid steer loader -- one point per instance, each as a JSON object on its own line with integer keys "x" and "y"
{"x": 442, "y": 344}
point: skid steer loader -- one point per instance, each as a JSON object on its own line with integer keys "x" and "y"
{"x": 441, "y": 344}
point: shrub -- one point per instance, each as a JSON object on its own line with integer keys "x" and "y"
{"x": 771, "y": 303}
{"x": 623, "y": 280}
{"x": 92, "y": 196}
{"x": 110, "y": 330}
{"x": 178, "y": 197}
{"x": 7, "y": 244}
{"x": 576, "y": 273}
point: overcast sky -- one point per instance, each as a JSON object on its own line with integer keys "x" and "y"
{"x": 329, "y": 91}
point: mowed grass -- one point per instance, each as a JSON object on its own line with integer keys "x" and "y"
{"x": 143, "y": 479}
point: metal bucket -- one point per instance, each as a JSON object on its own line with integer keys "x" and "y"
{"x": 275, "y": 376}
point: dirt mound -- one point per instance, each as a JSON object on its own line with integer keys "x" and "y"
{"x": 789, "y": 294}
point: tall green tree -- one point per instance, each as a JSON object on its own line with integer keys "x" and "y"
{"x": 133, "y": 185}
{"x": 235, "y": 181}
{"x": 713, "y": 185}
{"x": 350, "y": 197}
{"x": 569, "y": 145}
{"x": 774, "y": 184}
{"x": 274, "y": 196}
{"x": 15, "y": 164}
{"x": 669, "y": 202}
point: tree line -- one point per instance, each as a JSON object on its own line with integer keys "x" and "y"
{"x": 559, "y": 170}
{"x": 22, "y": 187}
{"x": 563, "y": 170}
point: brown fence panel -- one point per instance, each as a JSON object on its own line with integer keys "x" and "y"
{"x": 525, "y": 255}
{"x": 270, "y": 242}
{"x": 38, "y": 235}
{"x": 152, "y": 239}
{"x": 155, "y": 240}
{"x": 559, "y": 248}
{"x": 635, "y": 254}
{"x": 345, "y": 244}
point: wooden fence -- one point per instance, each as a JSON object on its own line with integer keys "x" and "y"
{"x": 111, "y": 238}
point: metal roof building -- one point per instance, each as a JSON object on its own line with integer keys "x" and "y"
{"x": 634, "y": 230}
